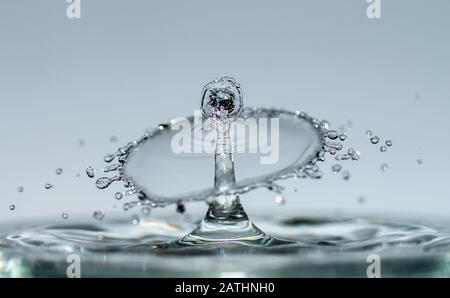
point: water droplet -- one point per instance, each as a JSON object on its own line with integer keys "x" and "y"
{"x": 336, "y": 168}
{"x": 12, "y": 207}
{"x": 346, "y": 175}
{"x": 98, "y": 215}
{"x": 332, "y": 134}
{"x": 81, "y": 143}
{"x": 103, "y": 182}
{"x": 109, "y": 157}
{"x": 48, "y": 186}
{"x": 389, "y": 143}
{"x": 374, "y": 140}
{"x": 118, "y": 195}
{"x": 20, "y": 189}
{"x": 59, "y": 171}
{"x": 383, "y": 148}
{"x": 325, "y": 124}
{"x": 361, "y": 200}
{"x": 369, "y": 133}
{"x": 145, "y": 210}
{"x": 65, "y": 215}
{"x": 113, "y": 139}
{"x": 384, "y": 167}
{"x": 420, "y": 161}
{"x": 295, "y": 189}
{"x": 342, "y": 137}
{"x": 78, "y": 175}
{"x": 280, "y": 200}
{"x": 90, "y": 171}
{"x": 135, "y": 219}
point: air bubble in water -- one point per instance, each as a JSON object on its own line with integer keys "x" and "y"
{"x": 12, "y": 207}
{"x": 98, "y": 215}
{"x": 59, "y": 171}
{"x": 389, "y": 143}
{"x": 383, "y": 148}
{"x": 346, "y": 175}
{"x": 90, "y": 171}
{"x": 384, "y": 167}
{"x": 336, "y": 168}
{"x": 135, "y": 219}
{"x": 374, "y": 140}
{"x": 65, "y": 215}
{"x": 118, "y": 195}
{"x": 280, "y": 200}
{"x": 420, "y": 161}
{"x": 20, "y": 189}
{"x": 369, "y": 133}
{"x": 48, "y": 186}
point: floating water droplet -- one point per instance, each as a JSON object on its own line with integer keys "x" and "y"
{"x": 384, "y": 167}
{"x": 420, "y": 161}
{"x": 361, "y": 200}
{"x": 336, "y": 168}
{"x": 81, "y": 143}
{"x": 325, "y": 124}
{"x": 280, "y": 200}
{"x": 369, "y": 133}
{"x": 113, "y": 139}
{"x": 118, "y": 195}
{"x": 389, "y": 143}
{"x": 98, "y": 215}
{"x": 59, "y": 171}
{"x": 65, "y": 215}
{"x": 332, "y": 134}
{"x": 109, "y": 157}
{"x": 90, "y": 171}
{"x": 48, "y": 186}
{"x": 383, "y": 148}
{"x": 12, "y": 207}
{"x": 346, "y": 175}
{"x": 374, "y": 140}
{"x": 145, "y": 210}
{"x": 78, "y": 175}
{"x": 20, "y": 189}
{"x": 342, "y": 137}
{"x": 135, "y": 219}
{"x": 103, "y": 182}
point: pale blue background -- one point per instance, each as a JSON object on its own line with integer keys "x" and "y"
{"x": 128, "y": 65}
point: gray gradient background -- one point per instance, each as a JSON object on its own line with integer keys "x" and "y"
{"x": 128, "y": 65}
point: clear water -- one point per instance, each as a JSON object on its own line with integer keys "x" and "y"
{"x": 225, "y": 242}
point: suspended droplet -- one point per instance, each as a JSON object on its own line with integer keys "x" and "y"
{"x": 135, "y": 219}
{"x": 64, "y": 215}
{"x": 389, "y": 143}
{"x": 59, "y": 171}
{"x": 420, "y": 161}
{"x": 332, "y": 134}
{"x": 342, "y": 137}
{"x": 81, "y": 143}
{"x": 280, "y": 200}
{"x": 118, "y": 195}
{"x": 369, "y": 133}
{"x": 113, "y": 139}
{"x": 90, "y": 171}
{"x": 336, "y": 168}
{"x": 361, "y": 200}
{"x": 12, "y": 207}
{"x": 325, "y": 124}
{"x": 98, "y": 215}
{"x": 103, "y": 182}
{"x": 374, "y": 140}
{"x": 20, "y": 189}
{"x": 109, "y": 157}
{"x": 384, "y": 167}
{"x": 383, "y": 148}
{"x": 48, "y": 186}
{"x": 346, "y": 175}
